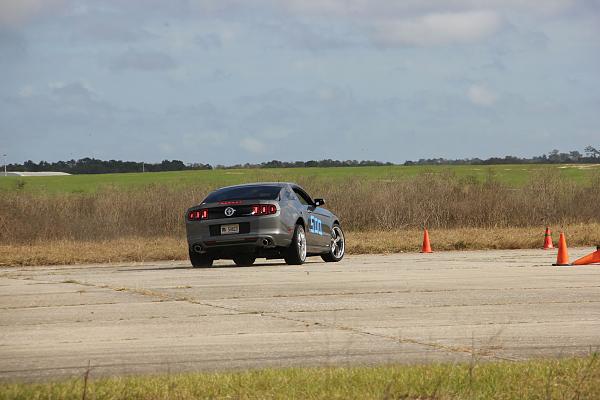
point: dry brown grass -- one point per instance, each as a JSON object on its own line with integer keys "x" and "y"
{"x": 428, "y": 200}
{"x": 69, "y": 251}
{"x": 147, "y": 224}
{"x": 467, "y": 239}
{"x": 140, "y": 249}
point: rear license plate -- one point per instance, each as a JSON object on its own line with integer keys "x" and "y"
{"x": 230, "y": 229}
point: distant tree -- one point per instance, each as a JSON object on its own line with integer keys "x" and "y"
{"x": 30, "y": 166}
{"x": 553, "y": 156}
{"x": 592, "y": 152}
{"x": 575, "y": 156}
{"x": 95, "y": 166}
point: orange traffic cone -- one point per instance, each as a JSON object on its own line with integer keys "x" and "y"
{"x": 591, "y": 258}
{"x": 548, "y": 239}
{"x": 563, "y": 253}
{"x": 426, "y": 245}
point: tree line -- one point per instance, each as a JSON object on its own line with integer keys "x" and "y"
{"x": 96, "y": 166}
{"x": 307, "y": 164}
{"x": 591, "y": 155}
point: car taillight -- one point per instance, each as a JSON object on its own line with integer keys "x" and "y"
{"x": 264, "y": 209}
{"x": 197, "y": 215}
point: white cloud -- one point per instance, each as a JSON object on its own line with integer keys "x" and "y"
{"x": 394, "y": 9}
{"x": 143, "y": 61}
{"x": 276, "y": 133}
{"x": 387, "y": 23}
{"x": 15, "y": 12}
{"x": 206, "y": 138}
{"x": 326, "y": 94}
{"x": 438, "y": 29}
{"x": 72, "y": 90}
{"x": 109, "y": 30}
{"x": 26, "y": 91}
{"x": 481, "y": 95}
{"x": 208, "y": 41}
{"x": 252, "y": 145}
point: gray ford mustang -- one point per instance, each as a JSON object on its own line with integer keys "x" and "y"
{"x": 270, "y": 220}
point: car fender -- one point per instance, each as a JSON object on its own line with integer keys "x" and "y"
{"x": 289, "y": 216}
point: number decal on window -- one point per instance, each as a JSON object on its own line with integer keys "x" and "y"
{"x": 316, "y": 226}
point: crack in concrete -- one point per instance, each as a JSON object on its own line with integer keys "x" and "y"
{"x": 479, "y": 352}
{"x": 436, "y": 346}
{"x": 404, "y": 291}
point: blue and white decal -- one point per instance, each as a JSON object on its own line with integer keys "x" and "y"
{"x": 316, "y": 226}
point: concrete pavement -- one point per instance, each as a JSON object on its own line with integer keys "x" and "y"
{"x": 407, "y": 308}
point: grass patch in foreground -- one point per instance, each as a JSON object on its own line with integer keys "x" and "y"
{"x": 574, "y": 378}
{"x": 142, "y": 249}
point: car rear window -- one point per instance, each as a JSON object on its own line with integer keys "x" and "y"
{"x": 244, "y": 193}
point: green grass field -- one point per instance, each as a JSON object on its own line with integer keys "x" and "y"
{"x": 575, "y": 378}
{"x": 514, "y": 175}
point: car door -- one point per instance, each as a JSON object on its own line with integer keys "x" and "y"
{"x": 317, "y": 232}
{"x": 325, "y": 221}
{"x": 322, "y": 218}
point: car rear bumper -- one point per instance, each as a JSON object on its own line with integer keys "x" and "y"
{"x": 256, "y": 233}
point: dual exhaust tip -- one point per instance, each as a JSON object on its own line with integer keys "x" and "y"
{"x": 266, "y": 242}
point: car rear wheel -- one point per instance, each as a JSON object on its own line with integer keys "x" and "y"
{"x": 296, "y": 253}
{"x": 244, "y": 260}
{"x": 200, "y": 260}
{"x": 337, "y": 247}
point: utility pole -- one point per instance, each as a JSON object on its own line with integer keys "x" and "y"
{"x": 143, "y": 168}
{"x": 4, "y": 155}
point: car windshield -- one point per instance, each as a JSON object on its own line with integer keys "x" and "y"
{"x": 258, "y": 192}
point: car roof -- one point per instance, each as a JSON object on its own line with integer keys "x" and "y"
{"x": 277, "y": 184}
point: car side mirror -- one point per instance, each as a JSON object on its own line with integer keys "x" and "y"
{"x": 319, "y": 202}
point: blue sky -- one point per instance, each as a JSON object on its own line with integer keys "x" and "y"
{"x": 238, "y": 81}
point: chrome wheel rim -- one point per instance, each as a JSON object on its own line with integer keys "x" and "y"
{"x": 301, "y": 244}
{"x": 337, "y": 242}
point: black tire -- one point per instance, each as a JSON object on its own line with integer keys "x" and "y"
{"x": 200, "y": 260}
{"x": 337, "y": 249}
{"x": 244, "y": 260}
{"x": 296, "y": 253}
